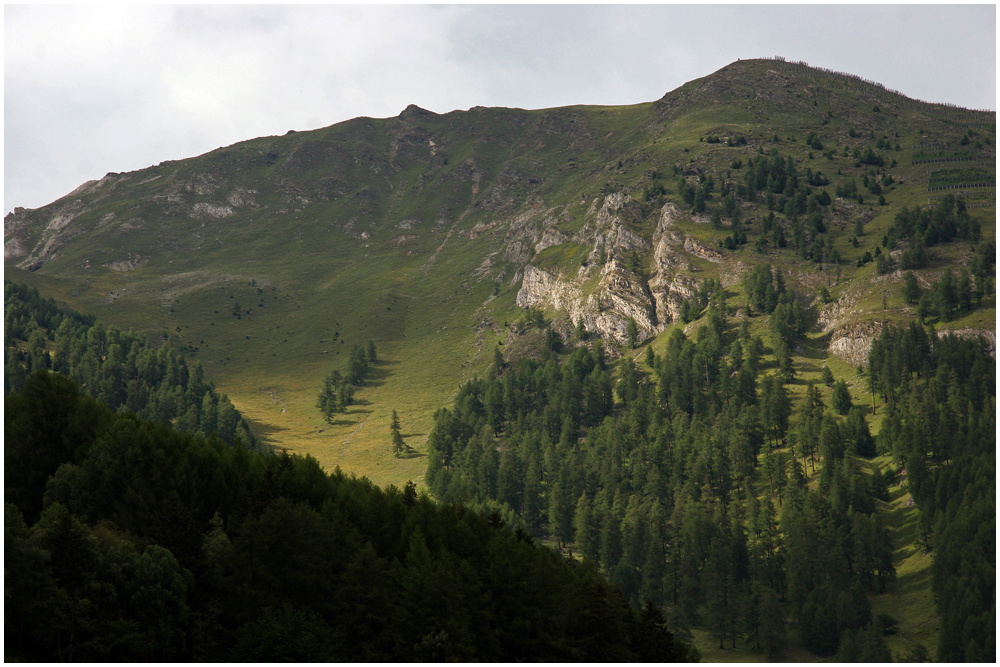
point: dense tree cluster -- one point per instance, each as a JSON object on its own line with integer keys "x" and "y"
{"x": 948, "y": 297}
{"x": 128, "y": 541}
{"x": 686, "y": 490}
{"x": 696, "y": 196}
{"x": 952, "y": 296}
{"x": 940, "y": 423}
{"x": 121, "y": 369}
{"x": 766, "y": 293}
{"x": 787, "y": 191}
{"x": 763, "y": 286}
{"x": 338, "y": 389}
{"x": 915, "y": 229}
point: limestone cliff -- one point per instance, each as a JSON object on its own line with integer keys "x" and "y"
{"x": 609, "y": 289}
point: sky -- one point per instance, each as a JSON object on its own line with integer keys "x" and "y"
{"x": 95, "y": 89}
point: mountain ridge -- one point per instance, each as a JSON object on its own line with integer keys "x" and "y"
{"x": 478, "y": 214}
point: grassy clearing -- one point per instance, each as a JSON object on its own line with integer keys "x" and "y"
{"x": 564, "y": 259}
{"x": 708, "y": 647}
{"x": 910, "y": 600}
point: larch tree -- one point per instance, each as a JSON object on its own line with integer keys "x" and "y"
{"x": 398, "y": 446}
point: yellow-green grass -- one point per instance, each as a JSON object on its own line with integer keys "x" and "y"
{"x": 910, "y": 600}
{"x": 707, "y": 644}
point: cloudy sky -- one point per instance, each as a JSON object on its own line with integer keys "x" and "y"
{"x": 88, "y": 90}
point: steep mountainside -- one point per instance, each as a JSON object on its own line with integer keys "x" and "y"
{"x": 428, "y": 233}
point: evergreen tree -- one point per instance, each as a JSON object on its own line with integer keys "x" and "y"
{"x": 911, "y": 289}
{"x": 841, "y": 400}
{"x": 398, "y": 446}
{"x": 585, "y": 529}
{"x": 631, "y": 332}
{"x": 857, "y": 434}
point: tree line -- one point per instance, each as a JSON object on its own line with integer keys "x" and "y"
{"x": 121, "y": 369}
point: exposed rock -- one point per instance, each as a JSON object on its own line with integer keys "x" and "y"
{"x": 624, "y": 297}
{"x": 620, "y": 237}
{"x": 128, "y": 264}
{"x": 202, "y": 185}
{"x": 853, "y": 342}
{"x": 668, "y": 289}
{"x": 13, "y": 247}
{"x": 57, "y": 231}
{"x": 620, "y": 294}
{"x": 550, "y": 237}
{"x": 241, "y": 196}
{"x": 204, "y": 209}
{"x": 619, "y": 297}
{"x": 669, "y": 299}
{"x": 696, "y": 248}
{"x": 541, "y": 288}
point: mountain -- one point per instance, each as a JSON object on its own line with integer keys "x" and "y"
{"x": 461, "y": 244}
{"x": 428, "y": 233}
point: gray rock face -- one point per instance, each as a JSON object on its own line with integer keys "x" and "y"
{"x": 667, "y": 287}
{"x": 853, "y": 342}
{"x": 621, "y": 294}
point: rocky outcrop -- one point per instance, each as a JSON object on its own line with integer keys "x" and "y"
{"x": 57, "y": 231}
{"x": 130, "y": 263}
{"x": 853, "y": 342}
{"x": 701, "y": 250}
{"x": 15, "y": 232}
{"x": 541, "y": 288}
{"x": 606, "y": 312}
{"x": 620, "y": 293}
{"x": 203, "y": 210}
{"x": 623, "y": 296}
{"x": 550, "y": 237}
{"x": 668, "y": 289}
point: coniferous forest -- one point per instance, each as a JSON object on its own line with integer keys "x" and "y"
{"x": 687, "y": 490}
{"x": 704, "y": 489}
{"x": 132, "y": 535}
{"x": 121, "y": 369}
{"x": 127, "y": 540}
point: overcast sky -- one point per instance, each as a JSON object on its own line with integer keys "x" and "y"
{"x": 88, "y": 90}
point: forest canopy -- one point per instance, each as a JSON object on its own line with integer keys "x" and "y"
{"x": 127, "y": 540}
